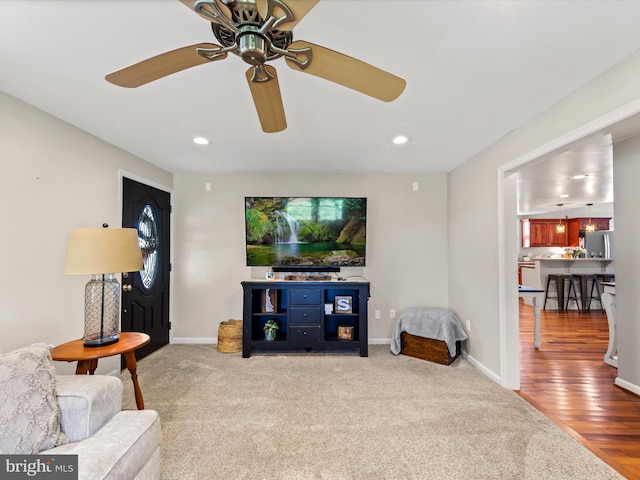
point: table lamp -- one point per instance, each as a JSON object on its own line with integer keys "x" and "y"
{"x": 101, "y": 253}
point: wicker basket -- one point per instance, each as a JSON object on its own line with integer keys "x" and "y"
{"x": 230, "y": 336}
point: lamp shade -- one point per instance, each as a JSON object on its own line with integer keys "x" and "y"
{"x": 92, "y": 251}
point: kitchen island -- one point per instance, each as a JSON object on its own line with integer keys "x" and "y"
{"x": 536, "y": 277}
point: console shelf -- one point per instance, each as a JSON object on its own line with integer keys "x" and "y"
{"x": 299, "y": 309}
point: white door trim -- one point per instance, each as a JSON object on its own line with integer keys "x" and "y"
{"x": 507, "y": 262}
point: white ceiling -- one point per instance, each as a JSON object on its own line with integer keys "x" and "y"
{"x": 547, "y": 182}
{"x": 475, "y": 70}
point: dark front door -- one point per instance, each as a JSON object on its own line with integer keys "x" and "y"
{"x": 145, "y": 294}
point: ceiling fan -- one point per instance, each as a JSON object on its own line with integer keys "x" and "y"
{"x": 259, "y": 31}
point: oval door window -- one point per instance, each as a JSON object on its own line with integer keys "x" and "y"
{"x": 148, "y": 239}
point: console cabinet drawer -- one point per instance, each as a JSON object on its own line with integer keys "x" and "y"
{"x": 305, "y": 297}
{"x": 305, "y": 315}
{"x": 305, "y": 333}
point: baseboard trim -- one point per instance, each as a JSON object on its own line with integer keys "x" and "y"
{"x": 469, "y": 358}
{"x": 214, "y": 340}
{"x": 203, "y": 340}
{"x": 631, "y": 387}
{"x": 482, "y": 368}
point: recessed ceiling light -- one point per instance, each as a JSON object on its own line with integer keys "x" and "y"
{"x": 400, "y": 139}
{"x": 564, "y": 196}
{"x": 578, "y": 177}
{"x": 200, "y": 141}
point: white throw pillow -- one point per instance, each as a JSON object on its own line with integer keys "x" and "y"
{"x": 29, "y": 411}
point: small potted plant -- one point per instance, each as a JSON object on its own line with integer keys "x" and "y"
{"x": 579, "y": 252}
{"x": 270, "y": 328}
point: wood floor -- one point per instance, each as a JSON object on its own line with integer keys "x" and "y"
{"x": 568, "y": 381}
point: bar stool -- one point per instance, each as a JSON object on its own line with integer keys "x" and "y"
{"x": 559, "y": 280}
{"x": 587, "y": 295}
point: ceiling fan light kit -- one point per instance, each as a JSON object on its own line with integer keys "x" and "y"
{"x": 259, "y": 31}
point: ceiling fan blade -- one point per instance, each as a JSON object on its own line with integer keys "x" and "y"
{"x": 161, "y": 65}
{"x": 299, "y": 8}
{"x": 188, "y": 3}
{"x": 265, "y": 90}
{"x": 346, "y": 71}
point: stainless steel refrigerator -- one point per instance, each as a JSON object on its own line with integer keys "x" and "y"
{"x": 599, "y": 244}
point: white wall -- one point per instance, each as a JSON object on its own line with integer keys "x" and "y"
{"x": 473, "y": 258}
{"x": 626, "y": 174}
{"x": 445, "y": 250}
{"x": 53, "y": 177}
{"x": 406, "y": 243}
{"x": 474, "y": 210}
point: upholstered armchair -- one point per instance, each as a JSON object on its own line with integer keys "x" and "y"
{"x": 47, "y": 414}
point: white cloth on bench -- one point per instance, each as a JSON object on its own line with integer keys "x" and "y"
{"x": 434, "y": 323}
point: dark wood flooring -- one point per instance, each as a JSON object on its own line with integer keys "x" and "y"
{"x": 568, "y": 381}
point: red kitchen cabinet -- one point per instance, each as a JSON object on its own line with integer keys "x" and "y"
{"x": 541, "y": 232}
{"x": 577, "y": 225}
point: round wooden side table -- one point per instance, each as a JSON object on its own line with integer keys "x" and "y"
{"x": 87, "y": 357}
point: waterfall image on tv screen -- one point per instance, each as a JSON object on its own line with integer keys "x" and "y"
{"x": 305, "y": 231}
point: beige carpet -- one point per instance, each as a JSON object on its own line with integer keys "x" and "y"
{"x": 328, "y": 417}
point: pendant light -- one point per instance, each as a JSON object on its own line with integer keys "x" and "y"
{"x": 560, "y": 227}
{"x": 589, "y": 227}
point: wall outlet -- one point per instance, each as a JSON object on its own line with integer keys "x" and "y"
{"x": 468, "y": 325}
{"x": 392, "y": 314}
{"x": 376, "y": 314}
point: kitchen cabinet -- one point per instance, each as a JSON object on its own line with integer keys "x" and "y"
{"x": 541, "y": 232}
{"x": 577, "y": 225}
{"x": 601, "y": 223}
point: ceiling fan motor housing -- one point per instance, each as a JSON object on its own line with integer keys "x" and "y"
{"x": 252, "y": 47}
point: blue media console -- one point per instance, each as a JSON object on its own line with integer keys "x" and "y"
{"x": 308, "y": 313}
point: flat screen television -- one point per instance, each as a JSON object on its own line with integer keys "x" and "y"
{"x": 305, "y": 232}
